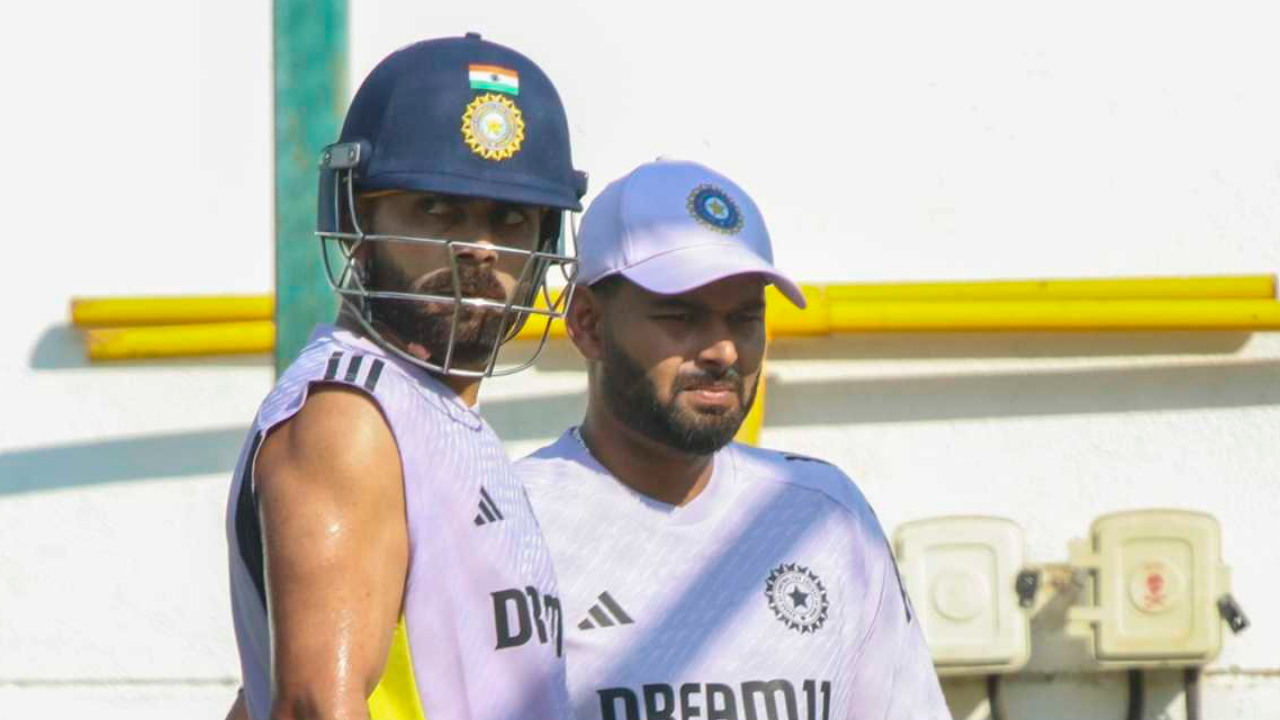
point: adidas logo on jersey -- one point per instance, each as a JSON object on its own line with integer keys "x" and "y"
{"x": 489, "y": 511}
{"x": 605, "y": 613}
{"x": 353, "y": 364}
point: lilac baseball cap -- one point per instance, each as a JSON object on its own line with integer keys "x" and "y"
{"x": 672, "y": 226}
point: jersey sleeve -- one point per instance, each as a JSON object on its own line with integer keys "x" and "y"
{"x": 892, "y": 669}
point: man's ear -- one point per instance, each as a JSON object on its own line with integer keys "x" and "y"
{"x": 585, "y": 323}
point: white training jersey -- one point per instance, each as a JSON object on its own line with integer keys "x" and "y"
{"x": 771, "y": 596}
{"x": 481, "y": 633}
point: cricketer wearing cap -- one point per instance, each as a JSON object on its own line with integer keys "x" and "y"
{"x": 702, "y": 578}
{"x": 384, "y": 559}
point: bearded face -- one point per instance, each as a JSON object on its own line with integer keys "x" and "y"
{"x": 639, "y": 402}
{"x": 490, "y": 248}
{"x": 430, "y": 325}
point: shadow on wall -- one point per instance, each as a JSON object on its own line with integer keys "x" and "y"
{"x": 214, "y": 451}
{"x": 1231, "y": 384}
{"x": 957, "y": 345}
{"x": 183, "y": 454}
{"x": 59, "y": 348}
{"x": 1032, "y": 696}
{"x": 971, "y": 397}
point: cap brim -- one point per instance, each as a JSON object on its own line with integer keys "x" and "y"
{"x": 690, "y": 268}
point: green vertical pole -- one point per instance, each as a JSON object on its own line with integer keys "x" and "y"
{"x": 310, "y": 58}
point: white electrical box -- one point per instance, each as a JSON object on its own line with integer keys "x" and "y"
{"x": 1158, "y": 575}
{"x": 961, "y": 573}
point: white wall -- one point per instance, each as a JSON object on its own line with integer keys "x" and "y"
{"x": 138, "y": 158}
{"x": 883, "y": 141}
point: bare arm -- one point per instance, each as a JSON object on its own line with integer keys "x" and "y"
{"x": 331, "y": 506}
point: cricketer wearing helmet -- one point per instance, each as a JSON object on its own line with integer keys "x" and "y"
{"x": 384, "y": 559}
{"x": 701, "y": 578}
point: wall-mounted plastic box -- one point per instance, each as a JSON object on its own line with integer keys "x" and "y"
{"x": 961, "y": 574}
{"x": 1158, "y": 575}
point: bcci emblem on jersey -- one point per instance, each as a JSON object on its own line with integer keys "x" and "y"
{"x": 797, "y": 597}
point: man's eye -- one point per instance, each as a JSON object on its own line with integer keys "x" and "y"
{"x": 436, "y": 206}
{"x": 511, "y": 216}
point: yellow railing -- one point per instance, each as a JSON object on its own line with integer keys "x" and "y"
{"x": 131, "y": 328}
{"x": 157, "y": 341}
{"x": 134, "y": 311}
{"x": 140, "y": 327}
{"x": 1231, "y": 287}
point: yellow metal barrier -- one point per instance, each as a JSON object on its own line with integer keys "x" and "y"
{"x": 1242, "y": 287}
{"x": 239, "y": 325}
{"x": 819, "y": 319}
{"x": 749, "y": 432}
{"x": 186, "y": 327}
{"x": 131, "y": 311}
{"x": 825, "y": 315}
{"x": 985, "y": 316}
{"x": 181, "y": 340}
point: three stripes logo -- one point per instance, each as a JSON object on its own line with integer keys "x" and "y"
{"x": 605, "y": 613}
{"x": 489, "y": 511}
{"x": 353, "y": 367}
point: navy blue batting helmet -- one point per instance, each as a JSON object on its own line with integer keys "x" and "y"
{"x": 462, "y": 116}
{"x": 457, "y": 116}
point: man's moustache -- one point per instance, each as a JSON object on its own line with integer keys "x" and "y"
{"x": 731, "y": 379}
{"x": 471, "y": 284}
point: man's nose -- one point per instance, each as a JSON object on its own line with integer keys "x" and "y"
{"x": 719, "y": 354}
{"x": 477, "y": 243}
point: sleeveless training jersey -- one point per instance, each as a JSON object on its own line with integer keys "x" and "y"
{"x": 481, "y": 634}
{"x": 771, "y": 596}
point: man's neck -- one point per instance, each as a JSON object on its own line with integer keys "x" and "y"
{"x": 468, "y": 389}
{"x": 648, "y": 467}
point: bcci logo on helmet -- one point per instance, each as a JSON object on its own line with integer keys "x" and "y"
{"x": 710, "y": 206}
{"x": 493, "y": 127}
{"x": 797, "y": 597}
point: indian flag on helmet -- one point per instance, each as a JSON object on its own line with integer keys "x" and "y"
{"x": 492, "y": 77}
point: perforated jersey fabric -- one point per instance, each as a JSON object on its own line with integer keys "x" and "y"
{"x": 773, "y": 594}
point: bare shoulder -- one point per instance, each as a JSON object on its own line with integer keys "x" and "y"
{"x": 339, "y": 438}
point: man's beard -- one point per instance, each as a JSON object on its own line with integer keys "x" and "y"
{"x": 631, "y": 396}
{"x": 428, "y": 324}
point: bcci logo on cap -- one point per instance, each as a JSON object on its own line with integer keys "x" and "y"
{"x": 797, "y": 597}
{"x": 710, "y": 206}
{"x": 493, "y": 127}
